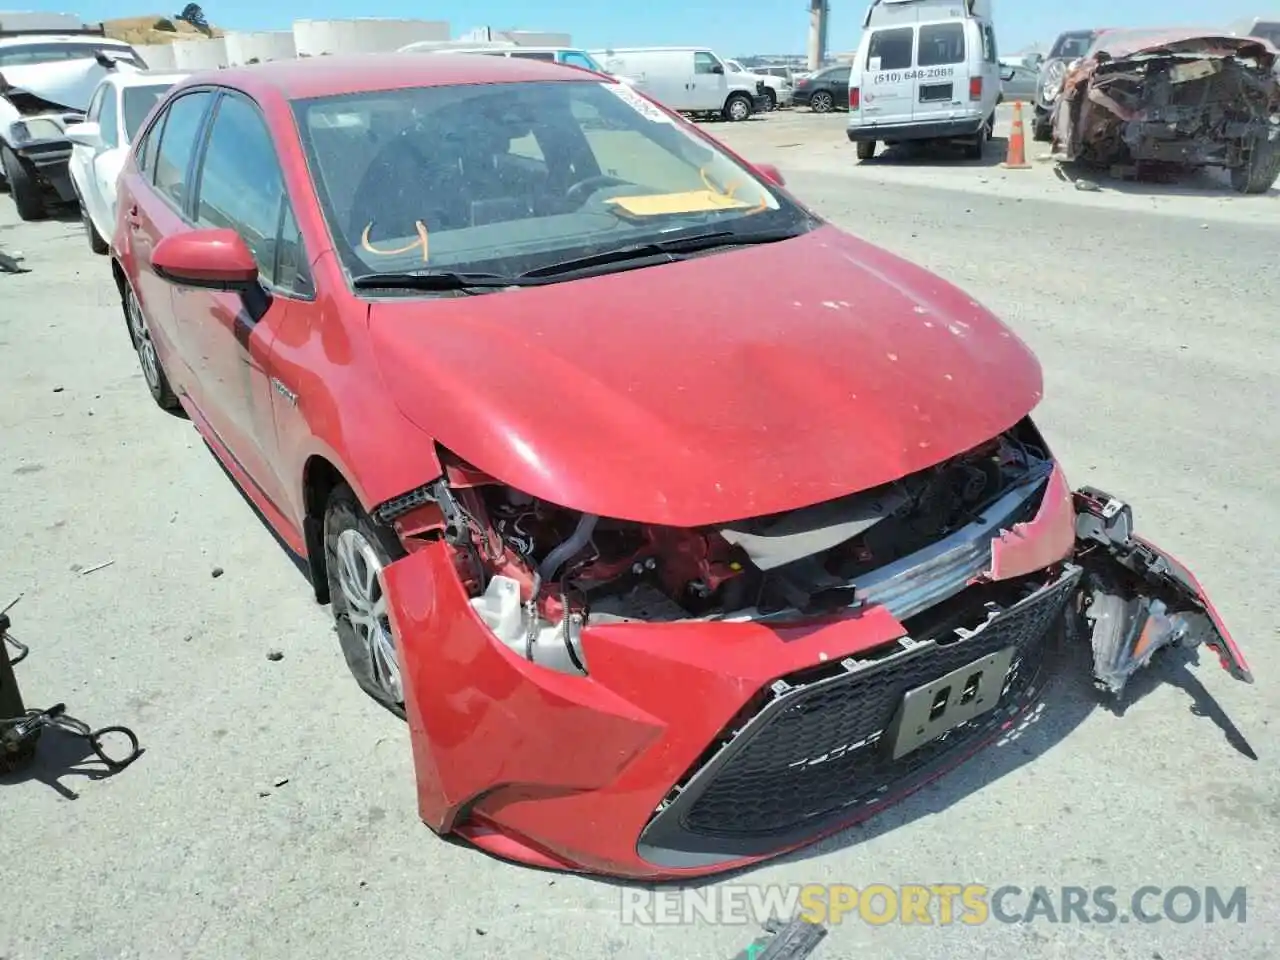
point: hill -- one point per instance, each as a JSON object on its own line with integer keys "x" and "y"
{"x": 143, "y": 30}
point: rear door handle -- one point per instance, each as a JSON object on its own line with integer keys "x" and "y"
{"x": 131, "y": 217}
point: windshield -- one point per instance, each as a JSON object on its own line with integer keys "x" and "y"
{"x": 138, "y": 102}
{"x": 507, "y": 178}
{"x": 30, "y": 54}
{"x": 1072, "y": 45}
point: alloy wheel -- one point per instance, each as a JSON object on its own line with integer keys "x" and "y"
{"x": 143, "y": 344}
{"x": 360, "y": 579}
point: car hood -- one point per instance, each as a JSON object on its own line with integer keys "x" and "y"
{"x": 733, "y": 385}
{"x": 64, "y": 83}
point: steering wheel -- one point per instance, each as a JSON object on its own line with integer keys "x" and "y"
{"x": 584, "y": 188}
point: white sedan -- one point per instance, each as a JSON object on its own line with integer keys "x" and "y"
{"x": 101, "y": 143}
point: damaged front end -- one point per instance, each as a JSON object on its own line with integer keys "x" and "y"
{"x": 539, "y": 574}
{"x": 652, "y": 701}
{"x": 38, "y": 103}
{"x": 1152, "y": 102}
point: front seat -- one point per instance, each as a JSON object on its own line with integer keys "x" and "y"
{"x": 402, "y": 186}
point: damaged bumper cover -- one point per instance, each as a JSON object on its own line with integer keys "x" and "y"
{"x": 701, "y": 745}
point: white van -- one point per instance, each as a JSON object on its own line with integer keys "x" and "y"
{"x": 688, "y": 79}
{"x": 925, "y": 70}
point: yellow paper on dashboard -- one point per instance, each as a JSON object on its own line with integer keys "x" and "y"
{"x": 692, "y": 201}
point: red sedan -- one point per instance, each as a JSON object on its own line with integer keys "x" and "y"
{"x": 683, "y": 527}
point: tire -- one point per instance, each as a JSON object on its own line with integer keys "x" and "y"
{"x": 866, "y": 149}
{"x": 96, "y": 243}
{"x": 1261, "y": 171}
{"x": 1041, "y": 131}
{"x": 152, "y": 370}
{"x": 355, "y": 553}
{"x": 26, "y": 191}
{"x": 770, "y": 100}
{"x": 978, "y": 149}
{"x": 738, "y": 108}
{"x": 822, "y": 102}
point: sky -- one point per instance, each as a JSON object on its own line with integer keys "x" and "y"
{"x": 731, "y": 27}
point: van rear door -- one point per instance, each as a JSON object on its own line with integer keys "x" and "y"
{"x": 888, "y": 90}
{"x": 941, "y": 72}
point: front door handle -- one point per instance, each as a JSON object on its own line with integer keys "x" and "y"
{"x": 131, "y": 217}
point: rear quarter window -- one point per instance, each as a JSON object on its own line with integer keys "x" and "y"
{"x": 891, "y": 49}
{"x": 941, "y": 44}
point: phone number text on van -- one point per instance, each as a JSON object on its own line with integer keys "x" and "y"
{"x": 929, "y": 73}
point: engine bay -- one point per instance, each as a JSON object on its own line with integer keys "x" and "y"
{"x": 539, "y": 573}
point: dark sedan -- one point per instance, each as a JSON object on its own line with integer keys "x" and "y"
{"x": 825, "y": 91}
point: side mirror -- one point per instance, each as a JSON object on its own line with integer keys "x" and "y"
{"x": 1007, "y": 73}
{"x": 718, "y": 68}
{"x": 771, "y": 173}
{"x": 85, "y": 135}
{"x": 216, "y": 259}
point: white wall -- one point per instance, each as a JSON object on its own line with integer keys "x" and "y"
{"x": 13, "y": 20}
{"x": 313, "y": 38}
{"x": 157, "y": 56}
{"x": 193, "y": 55}
{"x": 260, "y": 46}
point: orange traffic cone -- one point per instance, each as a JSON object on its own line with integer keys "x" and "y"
{"x": 1017, "y": 158}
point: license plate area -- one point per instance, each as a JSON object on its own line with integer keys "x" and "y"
{"x": 935, "y": 92}
{"x": 931, "y": 709}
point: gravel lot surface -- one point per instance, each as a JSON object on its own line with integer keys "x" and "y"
{"x": 273, "y": 814}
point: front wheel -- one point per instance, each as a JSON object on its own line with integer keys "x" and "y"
{"x": 152, "y": 370}
{"x": 24, "y": 187}
{"x": 770, "y": 100}
{"x": 737, "y": 108}
{"x": 1260, "y": 172}
{"x": 96, "y": 243}
{"x": 822, "y": 102}
{"x": 356, "y": 552}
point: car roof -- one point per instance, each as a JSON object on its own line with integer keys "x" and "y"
{"x": 143, "y": 78}
{"x": 88, "y": 40}
{"x": 330, "y": 76}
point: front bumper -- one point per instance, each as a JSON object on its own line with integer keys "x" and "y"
{"x": 699, "y": 747}
{"x": 930, "y": 130}
{"x": 50, "y": 160}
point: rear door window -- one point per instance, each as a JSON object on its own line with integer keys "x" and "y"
{"x": 178, "y": 145}
{"x": 891, "y": 49}
{"x": 990, "y": 53}
{"x": 941, "y": 44}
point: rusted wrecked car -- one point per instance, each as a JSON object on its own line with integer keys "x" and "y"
{"x": 1190, "y": 99}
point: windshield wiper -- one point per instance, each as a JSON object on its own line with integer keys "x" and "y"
{"x": 434, "y": 280}
{"x": 657, "y": 251}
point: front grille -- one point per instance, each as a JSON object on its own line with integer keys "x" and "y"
{"x": 821, "y": 748}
